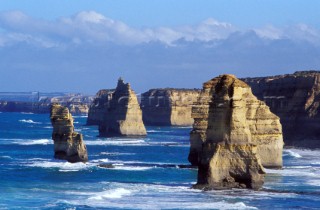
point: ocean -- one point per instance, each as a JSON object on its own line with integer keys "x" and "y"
{"x": 146, "y": 173}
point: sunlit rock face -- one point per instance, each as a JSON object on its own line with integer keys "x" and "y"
{"x": 262, "y": 126}
{"x": 239, "y": 136}
{"x": 168, "y": 107}
{"x": 68, "y": 144}
{"x": 295, "y": 98}
{"x": 123, "y": 115}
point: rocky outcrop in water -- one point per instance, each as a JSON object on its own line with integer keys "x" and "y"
{"x": 295, "y": 98}
{"x": 264, "y": 127}
{"x": 68, "y": 144}
{"x": 99, "y": 107}
{"x": 229, "y": 156}
{"x": 168, "y": 106}
{"x": 123, "y": 114}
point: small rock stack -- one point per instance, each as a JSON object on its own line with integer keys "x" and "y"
{"x": 123, "y": 115}
{"x": 68, "y": 144}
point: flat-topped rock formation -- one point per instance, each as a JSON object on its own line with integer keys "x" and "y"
{"x": 295, "y": 98}
{"x": 123, "y": 115}
{"x": 168, "y": 106}
{"x": 68, "y": 144}
{"x": 99, "y": 107}
{"x": 262, "y": 126}
{"x": 77, "y": 104}
{"x": 229, "y": 157}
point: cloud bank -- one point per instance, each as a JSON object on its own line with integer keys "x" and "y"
{"x": 88, "y": 51}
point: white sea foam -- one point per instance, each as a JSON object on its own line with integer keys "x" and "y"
{"x": 158, "y": 131}
{"x": 130, "y": 168}
{"x": 292, "y": 172}
{"x": 126, "y": 195}
{"x": 62, "y": 166}
{"x": 5, "y": 157}
{"x": 115, "y": 153}
{"x": 117, "y": 142}
{"x": 100, "y": 160}
{"x": 111, "y": 194}
{"x": 293, "y": 154}
{"x": 27, "y": 113}
{"x": 34, "y": 142}
{"x": 48, "y": 127}
{"x": 314, "y": 182}
{"x": 80, "y": 116}
{"x": 29, "y": 121}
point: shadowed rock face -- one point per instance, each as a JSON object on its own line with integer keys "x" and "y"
{"x": 239, "y": 129}
{"x": 123, "y": 115}
{"x": 295, "y": 98}
{"x": 99, "y": 107}
{"x": 260, "y": 125}
{"x": 168, "y": 106}
{"x": 68, "y": 145}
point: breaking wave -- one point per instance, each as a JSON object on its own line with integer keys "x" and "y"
{"x": 34, "y": 142}
{"x": 29, "y": 121}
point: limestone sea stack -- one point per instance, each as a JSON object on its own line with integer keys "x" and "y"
{"x": 168, "y": 106}
{"x": 229, "y": 157}
{"x": 99, "y": 107}
{"x": 295, "y": 98}
{"x": 123, "y": 114}
{"x": 68, "y": 144}
{"x": 262, "y": 126}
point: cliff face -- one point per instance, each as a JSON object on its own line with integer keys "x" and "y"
{"x": 42, "y": 106}
{"x": 259, "y": 125}
{"x": 123, "y": 115}
{"x": 295, "y": 98}
{"x": 99, "y": 107}
{"x": 168, "y": 106}
{"x": 229, "y": 157}
{"x": 68, "y": 145}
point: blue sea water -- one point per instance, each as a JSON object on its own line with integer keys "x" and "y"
{"x": 144, "y": 174}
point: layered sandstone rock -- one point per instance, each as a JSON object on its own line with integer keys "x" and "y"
{"x": 168, "y": 106}
{"x": 68, "y": 144}
{"x": 262, "y": 126}
{"x": 229, "y": 156}
{"x": 295, "y": 98}
{"x": 99, "y": 107}
{"x": 123, "y": 115}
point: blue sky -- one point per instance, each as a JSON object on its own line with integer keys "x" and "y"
{"x": 83, "y": 46}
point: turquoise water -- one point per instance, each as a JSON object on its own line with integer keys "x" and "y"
{"x": 145, "y": 173}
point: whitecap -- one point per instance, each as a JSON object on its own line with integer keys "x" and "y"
{"x": 111, "y": 194}
{"x": 27, "y": 113}
{"x": 5, "y": 157}
{"x": 314, "y": 182}
{"x": 29, "y": 121}
{"x": 80, "y": 116}
{"x": 158, "y": 131}
{"x": 291, "y": 172}
{"x": 117, "y": 142}
{"x": 293, "y": 154}
{"x": 62, "y": 166}
{"x": 48, "y": 127}
{"x": 115, "y": 153}
{"x": 104, "y": 160}
{"x": 130, "y": 168}
{"x": 34, "y": 142}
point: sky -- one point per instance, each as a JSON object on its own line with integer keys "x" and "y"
{"x": 86, "y": 45}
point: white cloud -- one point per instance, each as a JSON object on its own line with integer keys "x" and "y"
{"x": 94, "y": 27}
